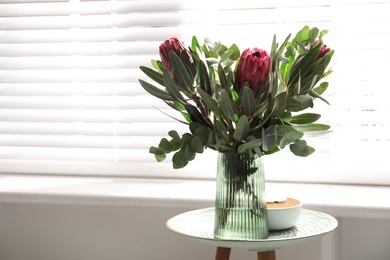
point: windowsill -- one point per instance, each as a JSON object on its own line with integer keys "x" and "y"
{"x": 338, "y": 200}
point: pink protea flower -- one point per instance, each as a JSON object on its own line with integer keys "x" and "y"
{"x": 253, "y": 68}
{"x": 323, "y": 51}
{"x": 173, "y": 44}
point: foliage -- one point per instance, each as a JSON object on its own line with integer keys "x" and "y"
{"x": 222, "y": 116}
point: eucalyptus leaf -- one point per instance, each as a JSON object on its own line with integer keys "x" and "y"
{"x": 174, "y": 135}
{"x": 196, "y": 144}
{"x": 313, "y": 34}
{"x": 236, "y": 52}
{"x": 300, "y": 148}
{"x": 256, "y": 143}
{"x": 158, "y": 153}
{"x": 179, "y": 160}
{"x": 226, "y": 55}
{"x": 165, "y": 145}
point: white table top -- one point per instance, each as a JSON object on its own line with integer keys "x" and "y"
{"x": 198, "y": 225}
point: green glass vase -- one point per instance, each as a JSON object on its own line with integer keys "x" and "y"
{"x": 240, "y": 203}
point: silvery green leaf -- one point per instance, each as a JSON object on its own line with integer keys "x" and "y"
{"x": 179, "y": 160}
{"x": 157, "y": 92}
{"x": 165, "y": 145}
{"x": 313, "y": 33}
{"x": 305, "y": 118}
{"x": 227, "y": 106}
{"x": 312, "y": 127}
{"x": 300, "y": 148}
{"x": 248, "y": 101}
{"x": 208, "y": 100}
{"x": 299, "y": 103}
{"x": 153, "y": 74}
{"x": 181, "y": 73}
{"x": 242, "y": 129}
{"x": 172, "y": 88}
{"x": 158, "y": 153}
{"x": 254, "y": 144}
{"x": 174, "y": 135}
{"x": 196, "y": 145}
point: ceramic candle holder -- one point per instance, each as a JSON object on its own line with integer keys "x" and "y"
{"x": 283, "y": 213}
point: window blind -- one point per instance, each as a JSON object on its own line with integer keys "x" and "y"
{"x": 71, "y": 103}
{"x": 70, "y": 99}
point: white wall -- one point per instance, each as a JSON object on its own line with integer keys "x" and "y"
{"x": 47, "y": 224}
{"x": 47, "y": 231}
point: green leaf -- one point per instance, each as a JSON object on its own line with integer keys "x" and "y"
{"x": 181, "y": 73}
{"x": 220, "y": 130}
{"x": 269, "y": 137}
{"x": 236, "y": 52}
{"x": 202, "y": 133}
{"x": 303, "y": 35}
{"x": 313, "y": 33}
{"x": 165, "y": 145}
{"x": 299, "y": 103}
{"x": 195, "y": 46}
{"x": 321, "y": 88}
{"x": 287, "y": 134}
{"x": 196, "y": 145}
{"x": 242, "y": 129}
{"x": 226, "y": 55}
{"x": 195, "y": 115}
{"x": 256, "y": 143}
{"x": 222, "y": 76}
{"x": 175, "y": 136}
{"x": 179, "y": 160}
{"x": 305, "y": 118}
{"x": 154, "y": 91}
{"x": 158, "y": 153}
{"x": 189, "y": 153}
{"x": 302, "y": 65}
{"x": 204, "y": 78}
{"x": 315, "y": 95}
{"x": 248, "y": 101}
{"x": 300, "y": 148}
{"x": 312, "y": 127}
{"x": 208, "y": 100}
{"x": 172, "y": 89}
{"x": 153, "y": 74}
{"x": 226, "y": 105}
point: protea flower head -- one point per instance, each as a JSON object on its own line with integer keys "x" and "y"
{"x": 323, "y": 51}
{"x": 173, "y": 44}
{"x": 253, "y": 68}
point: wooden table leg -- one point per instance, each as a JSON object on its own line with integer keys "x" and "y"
{"x": 268, "y": 255}
{"x": 223, "y": 253}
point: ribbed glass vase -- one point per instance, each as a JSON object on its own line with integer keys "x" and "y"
{"x": 240, "y": 203}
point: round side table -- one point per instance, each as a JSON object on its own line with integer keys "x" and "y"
{"x": 198, "y": 225}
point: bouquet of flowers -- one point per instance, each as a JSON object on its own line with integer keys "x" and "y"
{"x": 247, "y": 102}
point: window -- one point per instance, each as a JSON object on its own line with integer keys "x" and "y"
{"x": 70, "y": 102}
